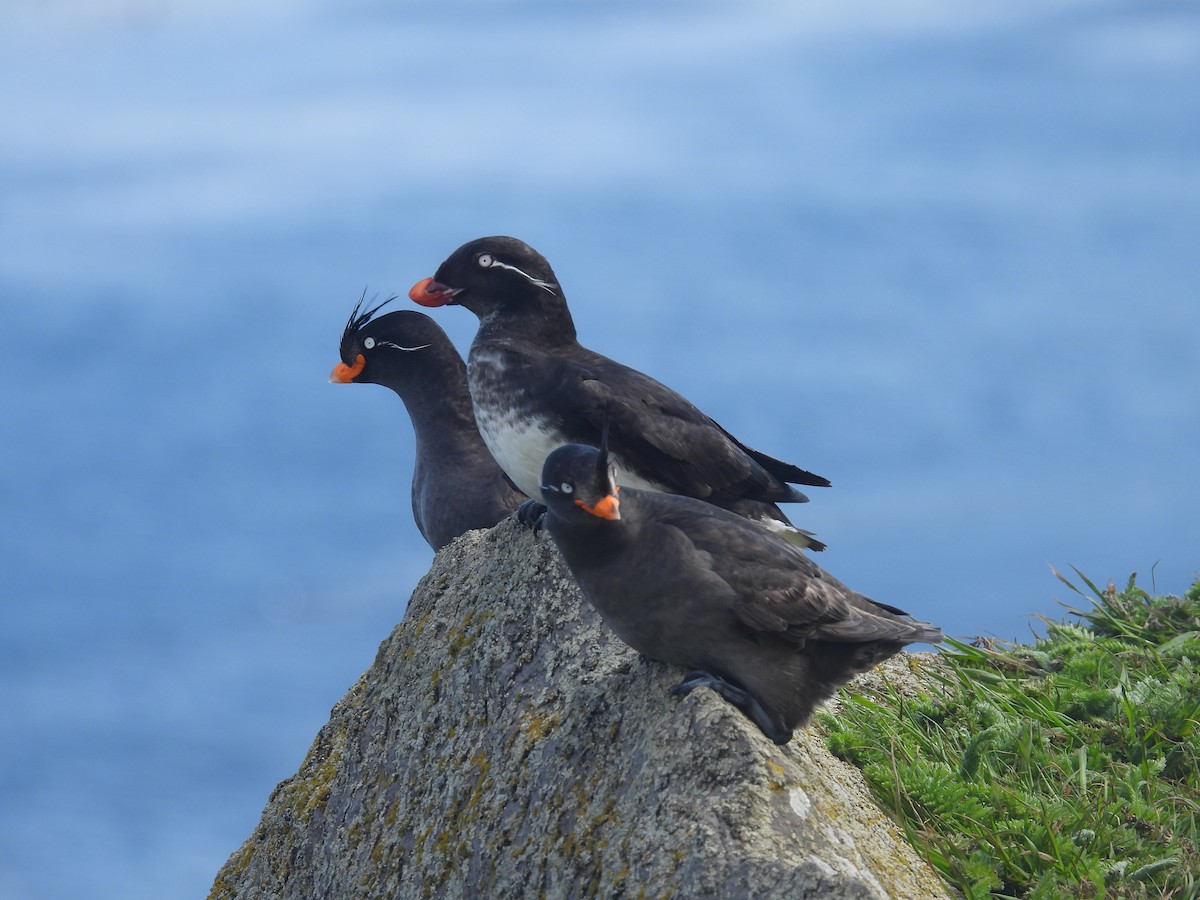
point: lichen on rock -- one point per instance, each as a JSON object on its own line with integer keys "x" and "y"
{"x": 505, "y": 744}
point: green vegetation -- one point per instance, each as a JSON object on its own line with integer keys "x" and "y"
{"x": 1065, "y": 768}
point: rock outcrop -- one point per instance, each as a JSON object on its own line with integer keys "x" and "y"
{"x": 505, "y": 744}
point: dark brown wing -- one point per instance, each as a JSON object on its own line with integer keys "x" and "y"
{"x": 660, "y": 432}
{"x": 778, "y": 588}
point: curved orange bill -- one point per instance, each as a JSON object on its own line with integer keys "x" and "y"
{"x": 344, "y": 374}
{"x": 428, "y": 292}
{"x": 605, "y": 508}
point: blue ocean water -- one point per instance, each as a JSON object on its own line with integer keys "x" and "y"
{"x": 944, "y": 256}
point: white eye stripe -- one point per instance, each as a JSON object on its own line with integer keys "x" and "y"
{"x": 370, "y": 343}
{"x": 489, "y": 262}
{"x": 405, "y": 349}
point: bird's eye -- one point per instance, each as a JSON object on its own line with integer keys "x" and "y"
{"x": 566, "y": 487}
{"x": 369, "y": 343}
{"x": 485, "y": 260}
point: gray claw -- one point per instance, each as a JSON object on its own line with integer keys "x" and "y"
{"x": 739, "y": 697}
{"x": 532, "y": 515}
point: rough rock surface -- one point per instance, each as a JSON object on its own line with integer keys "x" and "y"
{"x": 505, "y": 744}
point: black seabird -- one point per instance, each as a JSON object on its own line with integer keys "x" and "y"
{"x": 456, "y": 485}
{"x": 535, "y": 388}
{"x": 685, "y": 582}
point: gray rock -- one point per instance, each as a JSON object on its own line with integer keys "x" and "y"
{"x": 505, "y": 744}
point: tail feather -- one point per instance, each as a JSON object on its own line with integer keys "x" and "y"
{"x": 865, "y": 628}
{"x": 786, "y": 471}
{"x": 771, "y": 516}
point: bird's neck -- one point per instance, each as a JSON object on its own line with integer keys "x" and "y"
{"x": 595, "y": 542}
{"x": 453, "y": 422}
{"x": 548, "y": 328}
{"x": 448, "y": 408}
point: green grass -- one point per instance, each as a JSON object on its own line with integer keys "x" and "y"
{"x": 1065, "y": 768}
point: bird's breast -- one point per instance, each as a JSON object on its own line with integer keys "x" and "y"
{"x": 522, "y": 419}
{"x": 517, "y": 432}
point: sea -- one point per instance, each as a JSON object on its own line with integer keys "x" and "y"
{"x": 944, "y": 254}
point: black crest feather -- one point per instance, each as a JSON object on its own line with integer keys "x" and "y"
{"x": 358, "y": 319}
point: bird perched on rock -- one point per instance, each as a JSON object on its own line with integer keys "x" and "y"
{"x": 534, "y": 387}
{"x": 456, "y": 485}
{"x": 688, "y": 583}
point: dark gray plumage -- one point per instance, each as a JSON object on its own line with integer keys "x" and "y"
{"x": 456, "y": 484}
{"x": 689, "y": 583}
{"x": 535, "y": 387}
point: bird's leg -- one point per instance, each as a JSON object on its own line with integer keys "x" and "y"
{"x": 532, "y": 515}
{"x": 739, "y": 697}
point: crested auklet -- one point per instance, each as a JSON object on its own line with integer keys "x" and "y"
{"x": 688, "y": 583}
{"x": 535, "y": 388}
{"x": 456, "y": 484}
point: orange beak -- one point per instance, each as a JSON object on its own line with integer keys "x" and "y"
{"x": 428, "y": 292}
{"x": 605, "y": 508}
{"x": 344, "y": 374}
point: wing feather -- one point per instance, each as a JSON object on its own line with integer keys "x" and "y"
{"x": 780, "y": 590}
{"x": 659, "y": 431}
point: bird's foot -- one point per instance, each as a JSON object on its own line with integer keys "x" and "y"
{"x": 739, "y": 697}
{"x": 532, "y": 515}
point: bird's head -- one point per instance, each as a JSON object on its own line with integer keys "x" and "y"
{"x": 495, "y": 275}
{"x": 384, "y": 350}
{"x": 578, "y": 484}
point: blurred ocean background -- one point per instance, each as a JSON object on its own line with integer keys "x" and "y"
{"x": 946, "y": 254}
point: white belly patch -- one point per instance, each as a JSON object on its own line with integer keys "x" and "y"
{"x": 519, "y": 447}
{"x": 518, "y": 438}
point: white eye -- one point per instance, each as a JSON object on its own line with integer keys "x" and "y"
{"x": 369, "y": 343}
{"x": 485, "y": 260}
{"x": 566, "y": 487}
